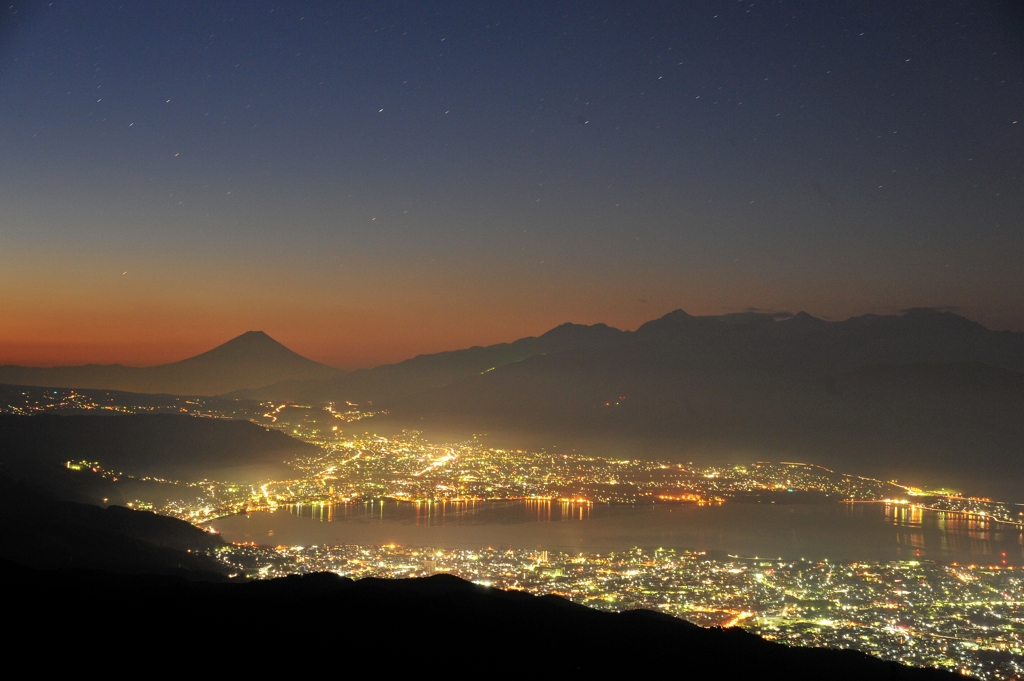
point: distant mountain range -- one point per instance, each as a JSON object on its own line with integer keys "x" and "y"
{"x": 927, "y": 396}
{"x": 251, "y": 360}
{"x": 427, "y": 372}
{"x": 676, "y": 345}
{"x": 926, "y": 393}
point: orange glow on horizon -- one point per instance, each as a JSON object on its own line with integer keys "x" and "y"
{"x": 150, "y": 325}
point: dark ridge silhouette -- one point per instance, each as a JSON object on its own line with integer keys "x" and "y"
{"x": 926, "y": 396}
{"x": 162, "y": 445}
{"x": 426, "y": 372}
{"x": 749, "y": 342}
{"x": 251, "y": 360}
{"x": 38, "y": 529}
{"x": 438, "y": 624}
{"x": 929, "y": 397}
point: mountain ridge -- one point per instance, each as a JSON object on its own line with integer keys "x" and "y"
{"x": 918, "y": 335}
{"x": 926, "y": 396}
{"x": 912, "y": 395}
{"x": 250, "y": 360}
{"x": 429, "y": 371}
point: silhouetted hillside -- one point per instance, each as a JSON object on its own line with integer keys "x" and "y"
{"x": 251, "y": 360}
{"x": 438, "y": 625}
{"x": 749, "y": 343}
{"x": 804, "y": 345}
{"x": 44, "y": 522}
{"x": 926, "y": 393}
{"x": 40, "y": 530}
{"x": 163, "y": 445}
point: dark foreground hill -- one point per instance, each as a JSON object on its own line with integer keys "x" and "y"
{"x": 437, "y": 626}
{"x": 251, "y": 360}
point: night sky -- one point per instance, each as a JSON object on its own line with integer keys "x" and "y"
{"x": 369, "y": 181}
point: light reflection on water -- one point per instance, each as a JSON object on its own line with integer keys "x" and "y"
{"x": 451, "y": 512}
{"x": 957, "y": 534}
{"x": 856, "y": 531}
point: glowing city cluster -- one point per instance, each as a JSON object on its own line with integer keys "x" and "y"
{"x": 356, "y": 467}
{"x": 359, "y": 468}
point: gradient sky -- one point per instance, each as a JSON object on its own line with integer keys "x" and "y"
{"x": 369, "y": 181}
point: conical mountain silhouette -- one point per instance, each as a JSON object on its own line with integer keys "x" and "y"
{"x": 251, "y": 346}
{"x": 251, "y": 360}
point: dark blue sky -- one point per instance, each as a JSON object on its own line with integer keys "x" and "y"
{"x": 370, "y": 180}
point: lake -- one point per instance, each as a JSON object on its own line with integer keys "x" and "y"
{"x": 839, "y": 531}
